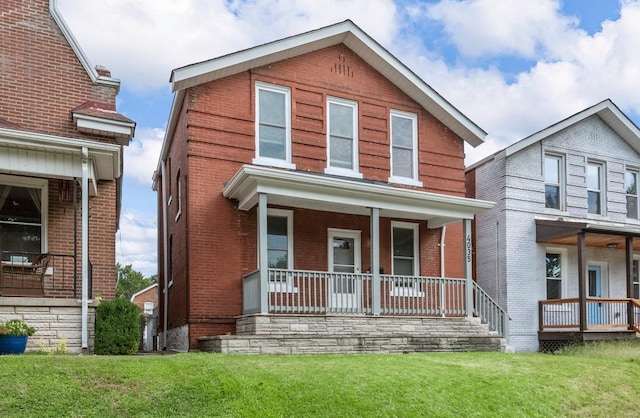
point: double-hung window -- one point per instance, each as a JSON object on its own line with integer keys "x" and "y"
{"x": 23, "y": 217}
{"x": 631, "y": 187}
{"x": 553, "y": 262}
{"x": 594, "y": 188}
{"x": 342, "y": 137}
{"x": 280, "y": 249}
{"x": 273, "y": 125}
{"x": 404, "y": 148}
{"x": 553, "y": 182}
{"x": 405, "y": 258}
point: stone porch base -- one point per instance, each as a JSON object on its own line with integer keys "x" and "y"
{"x": 320, "y": 334}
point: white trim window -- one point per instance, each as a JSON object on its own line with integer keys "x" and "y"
{"x": 553, "y": 182}
{"x": 404, "y": 148}
{"x": 273, "y": 126}
{"x": 280, "y": 248}
{"x": 595, "y": 193}
{"x": 342, "y": 137}
{"x": 631, "y": 188}
{"x": 554, "y": 268}
{"x": 23, "y": 216}
{"x": 405, "y": 258}
{"x": 179, "y": 187}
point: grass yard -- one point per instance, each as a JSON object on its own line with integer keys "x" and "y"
{"x": 577, "y": 383}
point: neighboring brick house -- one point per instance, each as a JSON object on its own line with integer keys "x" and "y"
{"x": 311, "y": 176}
{"x": 146, "y": 299}
{"x": 60, "y": 176}
{"x": 560, "y": 251}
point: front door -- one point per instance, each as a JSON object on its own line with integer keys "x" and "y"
{"x": 594, "y": 289}
{"x": 344, "y": 257}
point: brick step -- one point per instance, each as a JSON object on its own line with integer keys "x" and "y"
{"x": 352, "y": 344}
{"x": 333, "y": 325}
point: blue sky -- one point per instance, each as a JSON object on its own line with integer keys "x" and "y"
{"x": 512, "y": 66}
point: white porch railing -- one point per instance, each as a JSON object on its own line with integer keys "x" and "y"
{"x": 316, "y": 292}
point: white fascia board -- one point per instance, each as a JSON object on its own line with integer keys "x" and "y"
{"x": 66, "y": 32}
{"x": 250, "y": 181}
{"x": 174, "y": 113}
{"x": 357, "y": 40}
{"x": 607, "y": 111}
{"x": 102, "y": 153}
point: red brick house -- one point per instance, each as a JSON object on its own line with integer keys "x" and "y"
{"x": 311, "y": 180}
{"x": 61, "y": 145}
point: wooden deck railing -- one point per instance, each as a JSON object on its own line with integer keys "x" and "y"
{"x": 318, "y": 292}
{"x": 601, "y": 314}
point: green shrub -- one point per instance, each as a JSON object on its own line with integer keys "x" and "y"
{"x": 117, "y": 327}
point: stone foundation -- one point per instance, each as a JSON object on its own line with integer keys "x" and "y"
{"x": 55, "y": 320}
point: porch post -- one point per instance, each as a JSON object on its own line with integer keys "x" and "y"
{"x": 468, "y": 271}
{"x": 582, "y": 287}
{"x": 629, "y": 268}
{"x": 263, "y": 262}
{"x": 375, "y": 260}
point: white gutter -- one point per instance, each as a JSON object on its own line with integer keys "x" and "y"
{"x": 165, "y": 250}
{"x": 85, "y": 248}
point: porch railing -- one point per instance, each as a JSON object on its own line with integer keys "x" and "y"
{"x": 39, "y": 275}
{"x": 309, "y": 292}
{"x": 489, "y": 311}
{"x": 601, "y": 313}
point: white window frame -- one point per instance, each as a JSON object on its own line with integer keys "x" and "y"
{"x": 34, "y": 183}
{"x": 635, "y": 172}
{"x": 340, "y": 171}
{"x": 281, "y": 286}
{"x": 563, "y": 274}
{"x": 414, "y": 179}
{"x": 561, "y": 180}
{"x": 601, "y": 185}
{"x": 399, "y": 288}
{"x": 268, "y": 161}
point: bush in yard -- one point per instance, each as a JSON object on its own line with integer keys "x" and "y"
{"x": 117, "y": 327}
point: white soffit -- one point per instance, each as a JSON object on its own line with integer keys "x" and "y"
{"x": 328, "y": 193}
{"x": 353, "y": 37}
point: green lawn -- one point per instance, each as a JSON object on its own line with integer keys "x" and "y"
{"x": 439, "y": 385}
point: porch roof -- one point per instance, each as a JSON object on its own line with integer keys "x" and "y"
{"x": 40, "y": 155}
{"x": 342, "y": 195}
{"x": 596, "y": 234}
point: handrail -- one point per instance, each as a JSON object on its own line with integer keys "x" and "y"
{"x": 490, "y": 312}
{"x": 602, "y": 313}
{"x": 636, "y": 304}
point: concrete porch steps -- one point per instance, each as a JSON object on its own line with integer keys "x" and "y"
{"x": 351, "y": 334}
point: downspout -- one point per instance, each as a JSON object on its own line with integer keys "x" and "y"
{"x": 85, "y": 248}
{"x": 165, "y": 254}
{"x": 442, "y": 245}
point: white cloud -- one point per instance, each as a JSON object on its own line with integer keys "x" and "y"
{"x": 136, "y": 242}
{"x": 142, "y": 155}
{"x": 142, "y": 41}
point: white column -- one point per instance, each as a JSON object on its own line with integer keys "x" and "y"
{"x": 375, "y": 260}
{"x": 468, "y": 269}
{"x": 85, "y": 248}
{"x": 263, "y": 260}
{"x": 165, "y": 254}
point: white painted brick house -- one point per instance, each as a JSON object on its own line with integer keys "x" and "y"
{"x": 566, "y": 214}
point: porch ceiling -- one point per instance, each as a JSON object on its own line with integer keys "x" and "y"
{"x": 341, "y": 195}
{"x": 596, "y": 235}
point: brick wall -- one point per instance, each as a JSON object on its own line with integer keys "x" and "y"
{"x": 42, "y": 80}
{"x": 215, "y": 135}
